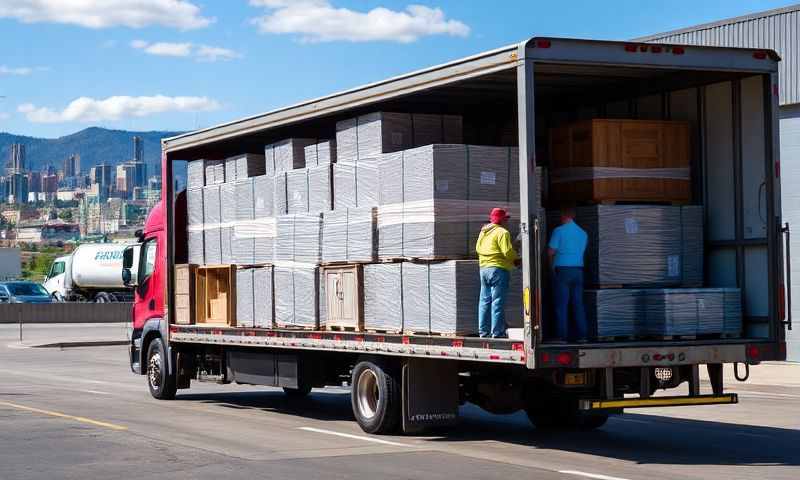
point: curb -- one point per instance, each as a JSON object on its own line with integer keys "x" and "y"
{"x": 90, "y": 343}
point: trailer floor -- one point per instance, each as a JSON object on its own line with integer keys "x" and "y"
{"x": 80, "y": 413}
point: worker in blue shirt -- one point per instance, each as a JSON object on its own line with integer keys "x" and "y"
{"x": 567, "y": 247}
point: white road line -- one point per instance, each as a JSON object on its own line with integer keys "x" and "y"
{"x": 590, "y": 475}
{"x": 765, "y": 394}
{"x": 97, "y": 392}
{"x": 356, "y": 437}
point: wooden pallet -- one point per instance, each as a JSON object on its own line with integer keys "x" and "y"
{"x": 433, "y": 259}
{"x": 341, "y": 328}
{"x": 380, "y": 331}
{"x": 287, "y": 326}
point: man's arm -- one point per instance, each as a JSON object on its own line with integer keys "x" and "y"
{"x": 506, "y": 248}
{"x": 551, "y": 256}
{"x": 555, "y": 242}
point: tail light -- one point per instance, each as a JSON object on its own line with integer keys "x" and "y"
{"x": 760, "y": 55}
{"x": 564, "y": 359}
{"x": 753, "y": 353}
{"x": 678, "y": 50}
{"x": 543, "y": 43}
{"x": 556, "y": 359}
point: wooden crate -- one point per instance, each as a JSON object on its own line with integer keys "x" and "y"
{"x": 580, "y": 151}
{"x": 344, "y": 297}
{"x": 185, "y": 294}
{"x": 215, "y": 295}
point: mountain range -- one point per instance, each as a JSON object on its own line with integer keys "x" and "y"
{"x": 95, "y": 146}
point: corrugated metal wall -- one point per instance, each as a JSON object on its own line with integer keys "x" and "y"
{"x": 778, "y": 30}
{"x": 790, "y": 191}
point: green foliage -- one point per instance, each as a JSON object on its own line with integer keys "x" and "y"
{"x": 65, "y": 215}
{"x": 37, "y": 267}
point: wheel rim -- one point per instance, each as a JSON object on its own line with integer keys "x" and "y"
{"x": 154, "y": 370}
{"x": 367, "y": 394}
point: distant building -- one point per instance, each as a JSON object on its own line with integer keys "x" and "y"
{"x": 138, "y": 149}
{"x": 34, "y": 182}
{"x": 126, "y": 179}
{"x": 103, "y": 175}
{"x": 10, "y": 264}
{"x": 50, "y": 184}
{"x": 16, "y": 162}
{"x": 72, "y": 166}
{"x": 16, "y": 188}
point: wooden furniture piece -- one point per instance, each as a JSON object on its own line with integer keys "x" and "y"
{"x": 344, "y": 297}
{"x": 215, "y": 292}
{"x": 611, "y": 161}
{"x": 185, "y": 294}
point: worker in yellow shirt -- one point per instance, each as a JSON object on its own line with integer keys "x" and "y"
{"x": 496, "y": 257}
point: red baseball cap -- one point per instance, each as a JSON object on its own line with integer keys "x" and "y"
{"x": 498, "y": 215}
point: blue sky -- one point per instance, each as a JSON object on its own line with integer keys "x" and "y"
{"x": 182, "y": 64}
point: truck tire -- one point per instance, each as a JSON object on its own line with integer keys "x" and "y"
{"x": 376, "y": 397}
{"x": 161, "y": 384}
{"x": 102, "y": 297}
{"x": 563, "y": 414}
{"x": 299, "y": 392}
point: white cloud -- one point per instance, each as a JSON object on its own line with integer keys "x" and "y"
{"x": 320, "y": 21}
{"x": 5, "y": 70}
{"x": 85, "y": 109}
{"x": 5, "y": 115}
{"x": 203, "y": 53}
{"x": 180, "y": 14}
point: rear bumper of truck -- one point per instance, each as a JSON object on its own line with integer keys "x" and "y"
{"x": 625, "y": 403}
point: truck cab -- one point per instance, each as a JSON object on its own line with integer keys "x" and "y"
{"x": 55, "y": 283}
{"x": 144, "y": 272}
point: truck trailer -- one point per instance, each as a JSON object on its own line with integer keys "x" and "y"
{"x": 91, "y": 273}
{"x": 511, "y": 96}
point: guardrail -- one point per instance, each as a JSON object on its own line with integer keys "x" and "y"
{"x": 67, "y": 312}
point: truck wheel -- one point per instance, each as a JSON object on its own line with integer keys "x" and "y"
{"x": 299, "y": 392}
{"x": 375, "y": 398}
{"x": 57, "y": 297}
{"x": 102, "y": 297}
{"x": 162, "y": 385}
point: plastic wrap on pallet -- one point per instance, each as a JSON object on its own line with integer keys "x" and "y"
{"x": 390, "y": 231}
{"x": 228, "y": 220}
{"x": 211, "y": 169}
{"x": 383, "y": 297}
{"x": 320, "y": 189}
{"x": 195, "y": 245}
{"x": 489, "y": 173}
{"x": 416, "y": 298}
{"x": 263, "y": 196}
{"x": 641, "y": 245}
{"x": 383, "y": 132}
{"x": 248, "y": 165}
{"x": 194, "y": 206}
{"x": 310, "y": 153}
{"x": 322, "y": 301}
{"x": 454, "y": 291}
{"x": 675, "y": 312}
{"x": 347, "y": 141}
{"x": 296, "y": 295}
{"x": 290, "y": 153}
{"x": 244, "y": 298}
{"x": 349, "y": 235}
{"x": 367, "y": 182}
{"x": 435, "y": 228}
{"x": 264, "y": 232}
{"x": 299, "y": 238}
{"x": 195, "y": 174}
{"x": 243, "y": 245}
{"x": 321, "y": 153}
{"x": 427, "y": 129}
{"x": 435, "y": 171}
{"x": 269, "y": 160}
{"x": 263, "y": 315}
{"x": 297, "y": 191}
{"x": 615, "y": 312}
{"x": 334, "y": 235}
{"x": 212, "y": 243}
{"x": 212, "y": 213}
{"x": 344, "y": 186}
{"x": 230, "y": 169}
{"x": 732, "y": 311}
{"x": 279, "y": 194}
{"x": 390, "y": 178}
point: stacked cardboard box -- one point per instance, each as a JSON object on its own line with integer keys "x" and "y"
{"x": 321, "y": 153}
{"x": 212, "y": 216}
{"x": 296, "y": 290}
{"x": 286, "y": 155}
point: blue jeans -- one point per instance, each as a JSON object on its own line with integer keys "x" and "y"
{"x": 491, "y": 308}
{"x": 568, "y": 290}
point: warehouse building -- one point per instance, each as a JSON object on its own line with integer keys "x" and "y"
{"x": 778, "y": 30}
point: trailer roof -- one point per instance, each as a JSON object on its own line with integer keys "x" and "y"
{"x": 472, "y": 67}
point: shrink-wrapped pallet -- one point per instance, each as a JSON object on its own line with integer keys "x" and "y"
{"x": 214, "y": 171}
{"x": 228, "y": 220}
{"x": 194, "y": 206}
{"x": 320, "y": 188}
{"x": 642, "y": 245}
{"x": 289, "y": 154}
{"x": 263, "y": 315}
{"x": 212, "y": 219}
{"x": 296, "y": 295}
{"x": 263, "y": 196}
{"x": 615, "y": 312}
{"x": 434, "y": 229}
{"x": 243, "y": 243}
{"x": 367, "y": 182}
{"x": 383, "y": 132}
{"x": 349, "y": 235}
{"x": 416, "y": 298}
{"x": 279, "y": 194}
{"x": 299, "y": 238}
{"x": 344, "y": 186}
{"x": 195, "y": 174}
{"x": 356, "y": 185}
{"x": 264, "y": 231}
{"x": 248, "y": 165}
{"x": 244, "y": 298}
{"x": 195, "y": 244}
{"x": 297, "y": 191}
{"x": 731, "y": 312}
{"x": 230, "y": 169}
{"x": 347, "y": 141}
{"x": 321, "y": 153}
{"x": 430, "y": 128}
{"x": 334, "y": 236}
{"x": 383, "y": 297}
{"x": 692, "y": 311}
{"x": 454, "y": 291}
{"x": 269, "y": 160}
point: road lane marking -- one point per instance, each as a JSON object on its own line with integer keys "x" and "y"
{"x": 766, "y": 394}
{"x": 65, "y": 416}
{"x": 590, "y": 475}
{"x": 97, "y": 392}
{"x": 356, "y": 437}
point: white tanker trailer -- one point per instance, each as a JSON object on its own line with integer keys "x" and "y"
{"x": 93, "y": 272}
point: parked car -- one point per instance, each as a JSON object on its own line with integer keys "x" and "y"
{"x": 23, "y": 292}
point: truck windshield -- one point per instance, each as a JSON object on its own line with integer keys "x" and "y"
{"x": 26, "y": 289}
{"x": 57, "y": 269}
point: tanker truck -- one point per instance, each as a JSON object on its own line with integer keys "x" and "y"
{"x": 92, "y": 273}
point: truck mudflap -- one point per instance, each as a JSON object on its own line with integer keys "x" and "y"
{"x": 618, "y": 404}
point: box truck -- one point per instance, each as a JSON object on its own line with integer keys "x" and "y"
{"x": 91, "y": 273}
{"x": 184, "y": 326}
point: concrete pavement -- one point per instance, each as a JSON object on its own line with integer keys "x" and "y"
{"x": 80, "y": 413}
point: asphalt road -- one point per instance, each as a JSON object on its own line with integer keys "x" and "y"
{"x": 80, "y": 413}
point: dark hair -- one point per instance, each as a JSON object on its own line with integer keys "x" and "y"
{"x": 568, "y": 210}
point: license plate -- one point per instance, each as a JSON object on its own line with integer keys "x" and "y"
{"x": 575, "y": 379}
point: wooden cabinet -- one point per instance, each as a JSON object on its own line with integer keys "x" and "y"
{"x": 600, "y": 161}
{"x": 344, "y": 297}
{"x": 215, "y": 292}
{"x": 185, "y": 294}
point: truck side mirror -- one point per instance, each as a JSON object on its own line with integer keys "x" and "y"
{"x": 127, "y": 258}
{"x": 127, "y": 277}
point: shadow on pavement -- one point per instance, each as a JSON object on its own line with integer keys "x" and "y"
{"x": 642, "y": 439}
